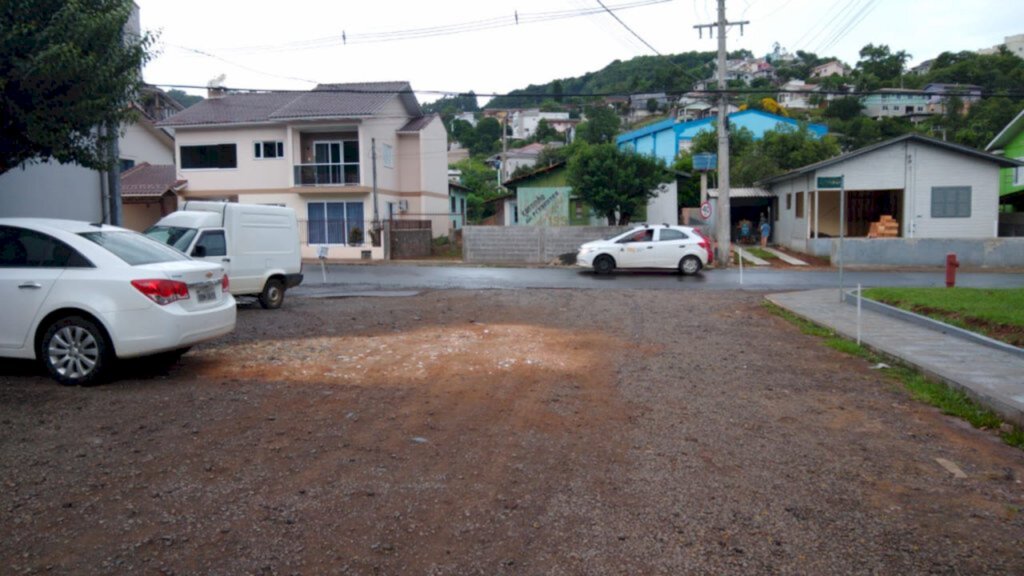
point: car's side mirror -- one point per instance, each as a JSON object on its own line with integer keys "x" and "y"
{"x": 199, "y": 252}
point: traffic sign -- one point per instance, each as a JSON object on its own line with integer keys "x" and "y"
{"x": 830, "y": 182}
{"x": 705, "y": 210}
{"x": 705, "y": 161}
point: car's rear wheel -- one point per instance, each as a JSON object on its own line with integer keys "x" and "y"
{"x": 272, "y": 295}
{"x": 604, "y": 265}
{"x": 75, "y": 351}
{"x": 689, "y": 265}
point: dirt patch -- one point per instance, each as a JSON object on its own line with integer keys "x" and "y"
{"x": 1013, "y": 335}
{"x": 526, "y": 432}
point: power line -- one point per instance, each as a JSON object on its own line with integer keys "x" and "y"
{"x": 514, "y": 19}
{"x": 854, "y": 23}
{"x": 242, "y": 66}
{"x": 707, "y": 91}
{"x": 626, "y": 26}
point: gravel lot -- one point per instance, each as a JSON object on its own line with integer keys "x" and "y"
{"x": 501, "y": 432}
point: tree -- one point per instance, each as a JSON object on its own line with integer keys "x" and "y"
{"x": 601, "y": 126}
{"x": 463, "y": 133}
{"x": 881, "y": 63}
{"x": 483, "y": 184}
{"x": 66, "y": 70}
{"x": 846, "y": 108}
{"x": 488, "y": 137}
{"x": 613, "y": 182}
{"x": 183, "y": 98}
{"x": 545, "y": 132}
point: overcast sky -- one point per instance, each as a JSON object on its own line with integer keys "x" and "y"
{"x": 455, "y": 46}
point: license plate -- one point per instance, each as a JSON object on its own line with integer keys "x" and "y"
{"x": 205, "y": 292}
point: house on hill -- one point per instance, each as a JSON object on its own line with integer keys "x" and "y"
{"x": 341, "y": 155}
{"x": 667, "y": 138}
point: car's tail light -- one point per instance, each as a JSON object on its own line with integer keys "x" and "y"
{"x": 705, "y": 243}
{"x": 224, "y": 284}
{"x": 162, "y": 292}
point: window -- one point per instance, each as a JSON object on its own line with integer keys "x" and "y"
{"x": 209, "y": 156}
{"x": 799, "y": 204}
{"x": 268, "y": 149}
{"x": 388, "y": 154}
{"x": 334, "y": 222}
{"x": 126, "y": 164}
{"x": 789, "y": 202}
{"x": 134, "y": 248}
{"x": 20, "y": 248}
{"x": 667, "y": 234}
{"x": 454, "y": 201}
{"x": 1018, "y": 175}
{"x": 213, "y": 244}
{"x": 951, "y": 202}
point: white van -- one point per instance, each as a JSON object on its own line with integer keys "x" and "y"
{"x": 257, "y": 245}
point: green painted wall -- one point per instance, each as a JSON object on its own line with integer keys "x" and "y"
{"x": 543, "y": 206}
{"x": 1015, "y": 149}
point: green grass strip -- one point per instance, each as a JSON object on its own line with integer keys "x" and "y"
{"x": 979, "y": 309}
{"x": 923, "y": 389}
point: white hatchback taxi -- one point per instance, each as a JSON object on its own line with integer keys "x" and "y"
{"x": 78, "y": 296}
{"x": 664, "y": 246}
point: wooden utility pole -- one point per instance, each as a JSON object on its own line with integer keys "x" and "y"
{"x": 723, "y": 226}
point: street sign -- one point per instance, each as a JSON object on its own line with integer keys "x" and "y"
{"x": 705, "y": 161}
{"x": 830, "y": 182}
{"x": 705, "y": 210}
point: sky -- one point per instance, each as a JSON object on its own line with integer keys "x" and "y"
{"x": 453, "y": 46}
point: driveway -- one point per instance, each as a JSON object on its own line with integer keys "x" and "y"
{"x": 501, "y": 432}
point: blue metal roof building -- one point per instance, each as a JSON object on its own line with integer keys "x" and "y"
{"x": 666, "y": 138}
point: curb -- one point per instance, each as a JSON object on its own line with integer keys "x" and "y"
{"x": 850, "y": 297}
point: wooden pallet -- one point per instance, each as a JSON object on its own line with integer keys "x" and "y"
{"x": 886, "y": 227}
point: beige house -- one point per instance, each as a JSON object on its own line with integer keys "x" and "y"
{"x": 323, "y": 153}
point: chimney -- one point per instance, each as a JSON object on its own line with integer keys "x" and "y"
{"x": 215, "y": 88}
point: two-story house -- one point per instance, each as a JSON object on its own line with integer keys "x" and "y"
{"x": 344, "y": 156}
{"x": 889, "y": 102}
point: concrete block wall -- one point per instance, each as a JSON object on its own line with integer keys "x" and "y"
{"x": 988, "y": 253}
{"x": 528, "y": 244}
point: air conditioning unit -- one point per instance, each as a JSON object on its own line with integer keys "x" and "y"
{"x": 403, "y": 205}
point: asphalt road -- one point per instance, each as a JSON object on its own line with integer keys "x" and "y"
{"x": 377, "y": 277}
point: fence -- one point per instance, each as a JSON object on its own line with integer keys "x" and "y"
{"x": 528, "y": 244}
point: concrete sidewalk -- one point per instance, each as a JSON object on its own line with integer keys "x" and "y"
{"x": 993, "y": 377}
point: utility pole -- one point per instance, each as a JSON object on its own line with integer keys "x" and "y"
{"x": 723, "y": 227}
{"x": 504, "y": 149}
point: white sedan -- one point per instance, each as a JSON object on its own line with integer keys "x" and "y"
{"x": 671, "y": 247}
{"x": 77, "y": 296}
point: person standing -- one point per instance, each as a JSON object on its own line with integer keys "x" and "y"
{"x": 766, "y": 230}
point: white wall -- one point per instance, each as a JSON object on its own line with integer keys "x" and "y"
{"x": 938, "y": 167}
{"x": 664, "y": 208}
{"x": 52, "y": 190}
{"x": 141, "y": 144}
{"x": 251, "y": 173}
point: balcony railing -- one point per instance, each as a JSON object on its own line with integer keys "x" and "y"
{"x": 322, "y": 174}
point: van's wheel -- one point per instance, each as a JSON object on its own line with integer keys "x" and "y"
{"x": 75, "y": 351}
{"x": 604, "y": 264}
{"x": 689, "y": 265}
{"x": 272, "y": 295}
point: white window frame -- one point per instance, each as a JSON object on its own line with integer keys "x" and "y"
{"x": 387, "y": 153}
{"x": 1018, "y": 176}
{"x": 259, "y": 151}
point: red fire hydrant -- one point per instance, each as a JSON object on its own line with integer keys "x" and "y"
{"x": 951, "y": 266}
